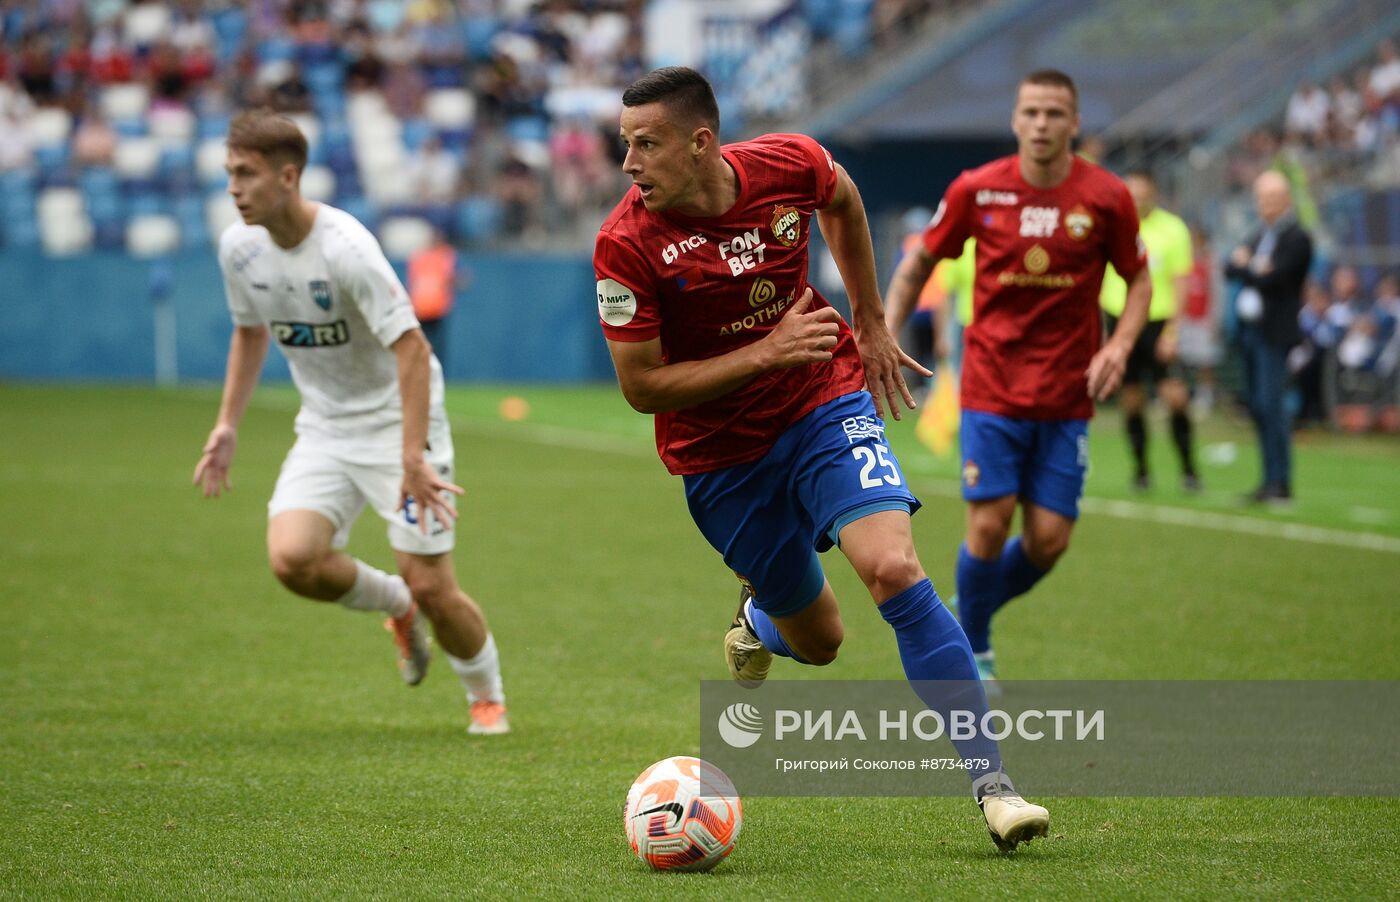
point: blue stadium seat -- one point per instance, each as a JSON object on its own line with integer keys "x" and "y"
{"x": 276, "y": 49}
{"x": 415, "y": 132}
{"x": 479, "y": 218}
{"x": 478, "y": 32}
{"x": 230, "y": 30}
{"x": 211, "y": 127}
{"x": 51, "y": 161}
{"x": 130, "y": 128}
{"x": 359, "y": 207}
{"x": 146, "y": 203}
{"x": 189, "y": 213}
{"x": 22, "y": 234}
{"x": 528, "y": 128}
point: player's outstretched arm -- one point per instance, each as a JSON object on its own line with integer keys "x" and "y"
{"x": 246, "y": 351}
{"x": 910, "y": 277}
{"x": 420, "y": 481}
{"x": 847, "y": 232}
{"x": 802, "y": 336}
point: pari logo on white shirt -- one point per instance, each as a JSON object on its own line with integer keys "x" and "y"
{"x": 617, "y": 303}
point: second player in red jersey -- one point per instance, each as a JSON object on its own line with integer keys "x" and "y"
{"x": 707, "y": 286}
{"x": 1040, "y": 261}
{"x": 1046, "y": 223}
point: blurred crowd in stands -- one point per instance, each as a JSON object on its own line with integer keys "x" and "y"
{"x": 493, "y": 118}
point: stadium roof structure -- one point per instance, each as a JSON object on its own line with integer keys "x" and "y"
{"x": 1142, "y": 66}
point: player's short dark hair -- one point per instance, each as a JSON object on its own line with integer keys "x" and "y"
{"x": 1053, "y": 78}
{"x": 269, "y": 133}
{"x": 686, "y": 92}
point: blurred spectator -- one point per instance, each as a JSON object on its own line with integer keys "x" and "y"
{"x": 579, "y": 167}
{"x": 434, "y": 174}
{"x": 1198, "y": 334}
{"x": 1271, "y": 268}
{"x": 1385, "y": 77}
{"x": 520, "y": 192}
{"x": 403, "y": 88}
{"x": 432, "y": 287}
{"x": 1308, "y": 112}
{"x": 1308, "y": 360}
{"x": 94, "y": 140}
{"x": 16, "y": 151}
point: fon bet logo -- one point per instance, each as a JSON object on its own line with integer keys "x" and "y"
{"x": 740, "y": 725}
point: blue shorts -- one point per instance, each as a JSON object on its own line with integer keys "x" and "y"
{"x": 1042, "y": 461}
{"x": 769, "y": 518}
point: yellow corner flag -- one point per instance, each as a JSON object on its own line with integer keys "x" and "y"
{"x": 938, "y": 424}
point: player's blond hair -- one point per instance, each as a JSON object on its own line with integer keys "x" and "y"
{"x": 271, "y": 134}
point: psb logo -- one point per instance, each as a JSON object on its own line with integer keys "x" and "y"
{"x": 672, "y": 252}
{"x": 740, "y": 725}
{"x": 321, "y": 293}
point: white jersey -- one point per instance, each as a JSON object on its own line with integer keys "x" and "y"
{"x": 334, "y": 305}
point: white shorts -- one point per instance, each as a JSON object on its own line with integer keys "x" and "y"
{"x": 1197, "y": 344}
{"x": 313, "y": 478}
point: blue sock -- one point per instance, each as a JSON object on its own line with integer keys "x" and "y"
{"x": 980, "y": 593}
{"x": 1018, "y": 574}
{"x": 939, "y": 665}
{"x": 767, "y": 632}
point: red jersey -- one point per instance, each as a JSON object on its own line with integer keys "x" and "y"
{"x": 706, "y": 287}
{"x": 1040, "y": 264}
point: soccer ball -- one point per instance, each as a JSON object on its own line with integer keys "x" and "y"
{"x": 682, "y": 814}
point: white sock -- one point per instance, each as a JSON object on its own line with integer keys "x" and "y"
{"x": 375, "y": 590}
{"x": 481, "y": 675}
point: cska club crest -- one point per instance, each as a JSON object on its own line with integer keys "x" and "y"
{"x": 786, "y": 225}
{"x": 971, "y": 474}
{"x": 1079, "y": 223}
{"x": 321, "y": 293}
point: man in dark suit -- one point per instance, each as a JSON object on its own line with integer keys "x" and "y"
{"x": 1271, "y": 269}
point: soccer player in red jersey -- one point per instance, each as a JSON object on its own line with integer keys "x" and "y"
{"x": 767, "y": 403}
{"x": 1034, "y": 362}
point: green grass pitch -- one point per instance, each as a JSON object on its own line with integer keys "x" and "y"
{"x": 178, "y": 726}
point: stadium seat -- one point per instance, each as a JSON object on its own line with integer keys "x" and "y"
{"x": 49, "y": 126}
{"x": 479, "y": 218}
{"x": 318, "y": 183}
{"x": 310, "y": 126}
{"x": 64, "y": 226}
{"x": 219, "y": 214}
{"x": 478, "y": 32}
{"x": 152, "y": 235}
{"x": 209, "y": 162}
{"x": 171, "y": 125}
{"x": 415, "y": 132}
{"x": 449, "y": 108}
{"x": 402, "y": 236}
{"x": 528, "y": 129}
{"x": 137, "y": 159}
{"x": 124, "y": 102}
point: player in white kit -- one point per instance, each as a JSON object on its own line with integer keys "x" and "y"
{"x": 372, "y": 429}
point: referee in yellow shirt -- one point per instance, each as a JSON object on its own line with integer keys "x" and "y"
{"x": 1154, "y": 356}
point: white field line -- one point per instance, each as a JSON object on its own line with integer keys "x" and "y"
{"x": 585, "y": 440}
